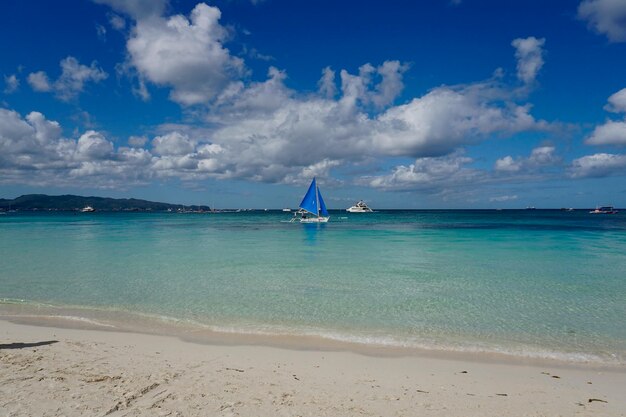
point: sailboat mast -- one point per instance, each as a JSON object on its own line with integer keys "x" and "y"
{"x": 317, "y": 199}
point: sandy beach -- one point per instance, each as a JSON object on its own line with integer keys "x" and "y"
{"x": 55, "y": 371}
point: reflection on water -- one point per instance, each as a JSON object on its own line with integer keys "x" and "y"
{"x": 312, "y": 232}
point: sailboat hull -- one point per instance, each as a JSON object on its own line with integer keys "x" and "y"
{"x": 314, "y": 220}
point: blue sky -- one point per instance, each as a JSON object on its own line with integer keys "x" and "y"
{"x": 239, "y": 103}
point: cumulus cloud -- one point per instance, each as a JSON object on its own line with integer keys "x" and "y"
{"x": 93, "y": 145}
{"x": 269, "y": 132}
{"x": 617, "y": 102}
{"x": 326, "y": 84}
{"x": 540, "y": 157}
{"x": 508, "y": 164}
{"x": 427, "y": 173}
{"x": 607, "y": 17}
{"x": 266, "y": 131}
{"x": 174, "y": 143}
{"x": 72, "y": 80}
{"x": 529, "y": 54}
{"x": 137, "y": 141}
{"x": 11, "y": 83}
{"x": 360, "y": 88}
{"x": 34, "y": 151}
{"x": 447, "y": 117}
{"x": 39, "y": 81}
{"x": 598, "y": 165}
{"x": 611, "y": 132}
{"x": 186, "y": 54}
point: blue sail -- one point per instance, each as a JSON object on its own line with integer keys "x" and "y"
{"x": 323, "y": 210}
{"x": 309, "y": 202}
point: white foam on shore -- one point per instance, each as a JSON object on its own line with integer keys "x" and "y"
{"x": 60, "y": 317}
{"x": 388, "y": 341}
{"x": 136, "y": 321}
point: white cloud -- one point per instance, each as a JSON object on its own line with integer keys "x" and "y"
{"x": 326, "y": 84}
{"x": 508, "y": 164}
{"x": 360, "y": 88}
{"x": 265, "y": 131}
{"x": 598, "y": 165}
{"x": 529, "y": 54}
{"x": 101, "y": 32}
{"x": 269, "y": 132}
{"x": 93, "y": 145}
{"x": 39, "y": 81}
{"x": 607, "y": 17}
{"x": 117, "y": 22}
{"x": 610, "y": 133}
{"x": 185, "y": 54}
{"x": 72, "y": 80}
{"x": 540, "y": 157}
{"x": 617, "y": 102}
{"x": 448, "y": 117}
{"x": 503, "y": 198}
{"x": 11, "y": 83}
{"x": 427, "y": 173}
{"x": 543, "y": 155}
{"x": 173, "y": 144}
{"x": 137, "y": 141}
{"x": 33, "y": 151}
{"x": 137, "y": 9}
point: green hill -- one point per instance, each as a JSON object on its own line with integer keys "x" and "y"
{"x": 76, "y": 202}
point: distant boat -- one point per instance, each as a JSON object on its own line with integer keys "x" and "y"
{"x": 288, "y": 210}
{"x": 312, "y": 208}
{"x": 359, "y": 207}
{"x": 604, "y": 210}
{"x": 531, "y": 208}
{"x": 87, "y": 209}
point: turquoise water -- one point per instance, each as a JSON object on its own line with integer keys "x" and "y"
{"x": 534, "y": 283}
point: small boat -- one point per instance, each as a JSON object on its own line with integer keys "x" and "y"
{"x": 87, "y": 209}
{"x": 312, "y": 209}
{"x": 359, "y": 207}
{"x": 604, "y": 210}
{"x": 287, "y": 210}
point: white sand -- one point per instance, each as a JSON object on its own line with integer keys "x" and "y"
{"x": 98, "y": 373}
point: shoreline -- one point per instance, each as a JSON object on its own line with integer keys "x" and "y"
{"x": 104, "y": 372}
{"x": 80, "y": 318}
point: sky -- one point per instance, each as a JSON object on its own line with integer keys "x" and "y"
{"x": 240, "y": 103}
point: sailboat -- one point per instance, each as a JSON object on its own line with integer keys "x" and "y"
{"x": 312, "y": 208}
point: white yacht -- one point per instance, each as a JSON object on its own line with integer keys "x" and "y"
{"x": 359, "y": 207}
{"x": 604, "y": 210}
{"x": 87, "y": 209}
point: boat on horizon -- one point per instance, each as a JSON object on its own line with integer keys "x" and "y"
{"x": 359, "y": 207}
{"x": 604, "y": 210}
{"x": 312, "y": 208}
{"x": 87, "y": 209}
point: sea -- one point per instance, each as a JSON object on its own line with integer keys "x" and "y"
{"x": 545, "y": 284}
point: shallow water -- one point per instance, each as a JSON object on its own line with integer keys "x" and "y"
{"x": 532, "y": 283}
